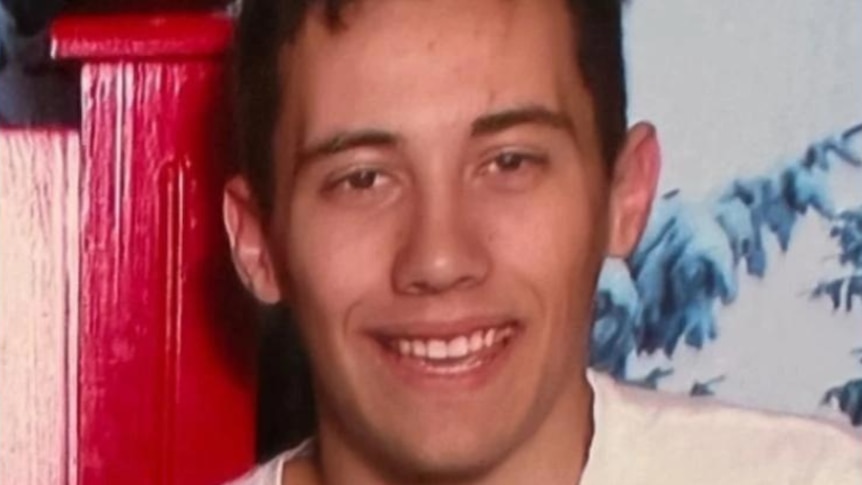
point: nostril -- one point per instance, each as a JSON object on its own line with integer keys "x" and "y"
{"x": 441, "y": 285}
{"x": 421, "y": 288}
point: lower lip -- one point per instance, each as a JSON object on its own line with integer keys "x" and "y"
{"x": 419, "y": 373}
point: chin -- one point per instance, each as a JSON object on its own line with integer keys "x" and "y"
{"x": 446, "y": 453}
{"x": 447, "y": 461}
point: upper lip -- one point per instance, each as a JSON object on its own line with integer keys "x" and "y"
{"x": 440, "y": 328}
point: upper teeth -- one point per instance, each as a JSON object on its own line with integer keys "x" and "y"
{"x": 457, "y": 347}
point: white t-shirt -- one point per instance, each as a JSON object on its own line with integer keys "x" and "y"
{"x": 650, "y": 438}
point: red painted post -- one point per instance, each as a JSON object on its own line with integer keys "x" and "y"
{"x": 165, "y": 387}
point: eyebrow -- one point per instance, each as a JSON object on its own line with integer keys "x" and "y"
{"x": 509, "y": 118}
{"x": 485, "y": 125}
{"x": 346, "y": 140}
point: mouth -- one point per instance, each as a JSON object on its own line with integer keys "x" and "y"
{"x": 455, "y": 356}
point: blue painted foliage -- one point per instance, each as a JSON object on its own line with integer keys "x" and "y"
{"x": 848, "y": 398}
{"x": 688, "y": 260}
{"x": 842, "y": 291}
{"x": 651, "y": 380}
{"x": 706, "y": 388}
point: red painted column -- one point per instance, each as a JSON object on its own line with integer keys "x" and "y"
{"x": 165, "y": 390}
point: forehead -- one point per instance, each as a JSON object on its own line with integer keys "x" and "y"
{"x": 424, "y": 65}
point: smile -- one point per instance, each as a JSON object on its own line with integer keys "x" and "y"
{"x": 452, "y": 355}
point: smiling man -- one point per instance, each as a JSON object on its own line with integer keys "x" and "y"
{"x": 432, "y": 186}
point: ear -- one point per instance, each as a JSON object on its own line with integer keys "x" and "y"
{"x": 633, "y": 189}
{"x": 248, "y": 244}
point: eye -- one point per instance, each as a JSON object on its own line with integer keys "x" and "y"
{"x": 361, "y": 179}
{"x": 357, "y": 180}
{"x": 509, "y": 162}
{"x": 512, "y": 163}
{"x": 360, "y": 184}
{"x": 514, "y": 170}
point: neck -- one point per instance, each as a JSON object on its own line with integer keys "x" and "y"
{"x": 554, "y": 454}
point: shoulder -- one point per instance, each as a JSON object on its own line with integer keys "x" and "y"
{"x": 836, "y": 457}
{"x": 270, "y": 473}
{"x": 702, "y": 441}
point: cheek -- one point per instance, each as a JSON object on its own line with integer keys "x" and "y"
{"x": 337, "y": 259}
{"x": 553, "y": 238}
{"x": 551, "y": 245}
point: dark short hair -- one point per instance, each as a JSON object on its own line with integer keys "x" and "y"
{"x": 265, "y": 26}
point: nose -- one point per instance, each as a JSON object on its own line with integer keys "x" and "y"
{"x": 441, "y": 251}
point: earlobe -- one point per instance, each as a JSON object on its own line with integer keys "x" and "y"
{"x": 633, "y": 188}
{"x": 248, "y": 244}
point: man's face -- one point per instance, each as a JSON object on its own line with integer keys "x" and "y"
{"x": 441, "y": 216}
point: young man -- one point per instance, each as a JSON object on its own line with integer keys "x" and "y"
{"x": 432, "y": 186}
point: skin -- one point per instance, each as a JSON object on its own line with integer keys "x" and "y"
{"x": 432, "y": 169}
